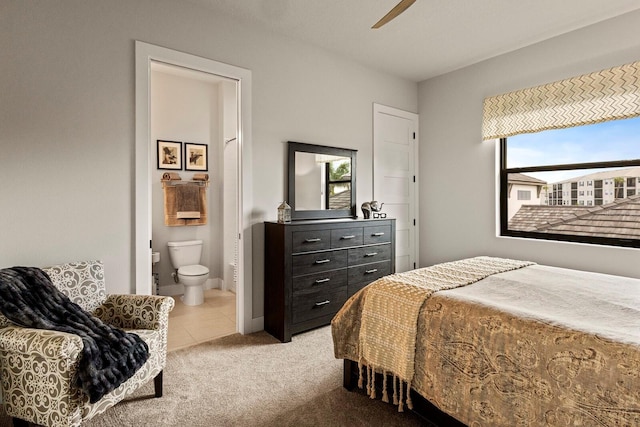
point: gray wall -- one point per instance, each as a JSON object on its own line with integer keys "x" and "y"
{"x": 457, "y": 169}
{"x": 68, "y": 127}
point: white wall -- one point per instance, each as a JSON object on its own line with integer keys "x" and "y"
{"x": 68, "y": 127}
{"x": 229, "y": 166}
{"x": 514, "y": 204}
{"x": 186, "y": 110}
{"x": 309, "y": 182}
{"x": 460, "y": 220}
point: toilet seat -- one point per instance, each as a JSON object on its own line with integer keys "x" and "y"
{"x": 193, "y": 270}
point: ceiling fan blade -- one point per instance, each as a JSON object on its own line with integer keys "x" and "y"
{"x": 393, "y": 13}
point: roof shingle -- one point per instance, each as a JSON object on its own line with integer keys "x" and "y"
{"x": 620, "y": 219}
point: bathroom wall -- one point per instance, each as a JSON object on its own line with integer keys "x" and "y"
{"x": 229, "y": 106}
{"x": 187, "y": 110}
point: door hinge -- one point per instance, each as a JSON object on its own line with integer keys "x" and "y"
{"x": 414, "y": 265}
{"x": 150, "y": 246}
{"x": 414, "y": 222}
{"x": 414, "y": 135}
{"x": 414, "y": 178}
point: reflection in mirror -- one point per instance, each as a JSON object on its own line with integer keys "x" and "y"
{"x": 321, "y": 181}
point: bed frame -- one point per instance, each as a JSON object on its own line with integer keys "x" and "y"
{"x": 421, "y": 406}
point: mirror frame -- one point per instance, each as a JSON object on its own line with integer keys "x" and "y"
{"x": 295, "y": 147}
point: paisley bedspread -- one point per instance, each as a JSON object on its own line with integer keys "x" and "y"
{"x": 538, "y": 346}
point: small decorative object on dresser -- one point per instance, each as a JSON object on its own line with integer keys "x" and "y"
{"x": 284, "y": 213}
{"x": 372, "y": 206}
{"x": 313, "y": 267}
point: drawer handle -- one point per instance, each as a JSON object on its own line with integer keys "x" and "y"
{"x": 371, "y": 254}
{"x": 378, "y": 234}
{"x": 322, "y": 261}
{"x": 373, "y": 270}
{"x": 320, "y": 304}
{"x": 313, "y": 240}
{"x": 326, "y": 279}
{"x": 347, "y": 237}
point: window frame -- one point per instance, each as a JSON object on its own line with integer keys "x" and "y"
{"x": 328, "y": 182}
{"x": 504, "y": 202}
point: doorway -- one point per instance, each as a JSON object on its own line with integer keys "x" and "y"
{"x": 146, "y": 55}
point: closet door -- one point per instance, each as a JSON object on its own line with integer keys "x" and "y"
{"x": 395, "y": 155}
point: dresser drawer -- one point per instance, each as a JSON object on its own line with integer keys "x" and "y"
{"x": 307, "y": 241}
{"x": 369, "y": 254}
{"x": 317, "y": 262}
{"x": 319, "y": 281}
{"x": 369, "y": 272}
{"x": 317, "y": 304}
{"x": 345, "y": 237}
{"x": 377, "y": 234}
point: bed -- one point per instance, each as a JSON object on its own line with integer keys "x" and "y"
{"x": 495, "y": 342}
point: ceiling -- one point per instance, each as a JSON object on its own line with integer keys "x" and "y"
{"x": 431, "y": 38}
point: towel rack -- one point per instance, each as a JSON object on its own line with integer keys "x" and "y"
{"x": 173, "y": 182}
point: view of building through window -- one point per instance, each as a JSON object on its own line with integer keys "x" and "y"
{"x": 580, "y": 181}
{"x": 339, "y": 184}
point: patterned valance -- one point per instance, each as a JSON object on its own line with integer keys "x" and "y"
{"x": 597, "y": 97}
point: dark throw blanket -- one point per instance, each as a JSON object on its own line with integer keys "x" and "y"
{"x": 110, "y": 356}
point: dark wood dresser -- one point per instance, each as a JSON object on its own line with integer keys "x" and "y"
{"x": 313, "y": 267}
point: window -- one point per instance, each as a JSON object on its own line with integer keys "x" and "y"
{"x": 338, "y": 179}
{"x": 558, "y": 162}
{"x": 524, "y": 195}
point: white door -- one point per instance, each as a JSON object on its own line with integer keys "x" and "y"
{"x": 395, "y": 155}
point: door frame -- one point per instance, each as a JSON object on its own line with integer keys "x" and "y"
{"x": 145, "y": 53}
{"x": 384, "y": 109}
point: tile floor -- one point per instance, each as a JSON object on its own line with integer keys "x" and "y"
{"x": 190, "y": 325}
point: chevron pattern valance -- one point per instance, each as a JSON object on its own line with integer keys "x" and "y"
{"x": 597, "y": 97}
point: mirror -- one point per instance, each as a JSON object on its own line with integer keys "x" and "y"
{"x": 322, "y": 181}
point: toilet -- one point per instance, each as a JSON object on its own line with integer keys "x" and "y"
{"x": 185, "y": 258}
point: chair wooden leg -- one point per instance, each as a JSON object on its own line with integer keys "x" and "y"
{"x": 17, "y": 422}
{"x": 157, "y": 382}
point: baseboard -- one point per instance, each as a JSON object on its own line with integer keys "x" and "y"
{"x": 257, "y": 324}
{"x": 228, "y": 286}
{"x": 178, "y": 288}
{"x": 215, "y": 283}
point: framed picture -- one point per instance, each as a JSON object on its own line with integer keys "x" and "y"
{"x": 169, "y": 155}
{"x": 195, "y": 156}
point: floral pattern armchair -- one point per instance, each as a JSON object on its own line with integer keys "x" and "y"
{"x": 38, "y": 367}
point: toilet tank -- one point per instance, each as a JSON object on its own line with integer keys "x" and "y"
{"x": 186, "y": 252}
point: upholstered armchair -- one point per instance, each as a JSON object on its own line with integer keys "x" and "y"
{"x": 38, "y": 367}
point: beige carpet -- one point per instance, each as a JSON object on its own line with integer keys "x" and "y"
{"x": 253, "y": 380}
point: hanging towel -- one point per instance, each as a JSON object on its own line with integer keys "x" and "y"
{"x": 171, "y": 176}
{"x": 188, "y": 201}
{"x": 200, "y": 177}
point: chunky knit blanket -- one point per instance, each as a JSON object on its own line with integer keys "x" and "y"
{"x": 110, "y": 356}
{"x": 390, "y": 315}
